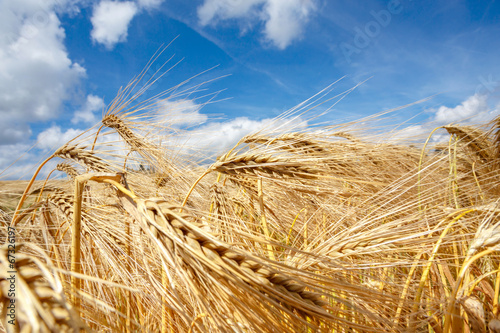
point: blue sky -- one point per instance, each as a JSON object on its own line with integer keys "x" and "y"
{"x": 62, "y": 61}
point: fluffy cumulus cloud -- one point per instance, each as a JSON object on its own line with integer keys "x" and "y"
{"x": 19, "y": 160}
{"x": 218, "y": 137}
{"x": 227, "y": 134}
{"x": 474, "y": 109}
{"x": 110, "y": 21}
{"x": 54, "y": 137}
{"x": 36, "y": 73}
{"x": 183, "y": 112}
{"x": 87, "y": 114}
{"x": 284, "y": 20}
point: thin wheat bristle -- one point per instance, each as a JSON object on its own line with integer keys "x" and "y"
{"x": 151, "y": 152}
{"x": 495, "y": 129}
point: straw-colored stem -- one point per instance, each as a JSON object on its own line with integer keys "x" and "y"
{"x": 128, "y": 292}
{"x": 80, "y": 182}
{"x": 40, "y": 193}
{"x": 125, "y": 160}
{"x": 26, "y": 191}
{"x": 477, "y": 182}
{"x": 409, "y": 279}
{"x": 76, "y": 240}
{"x": 293, "y": 224}
{"x": 454, "y": 175}
{"x": 427, "y": 268}
{"x": 194, "y": 185}
{"x": 263, "y": 218}
{"x": 305, "y": 230}
{"x": 420, "y": 167}
{"x": 451, "y": 308}
{"x": 212, "y": 202}
{"x": 166, "y": 314}
{"x": 96, "y": 136}
{"x": 473, "y": 284}
{"x": 497, "y": 291}
{"x": 198, "y": 317}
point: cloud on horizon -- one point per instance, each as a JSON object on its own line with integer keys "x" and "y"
{"x": 475, "y": 110}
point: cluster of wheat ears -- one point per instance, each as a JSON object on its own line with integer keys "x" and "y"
{"x": 321, "y": 229}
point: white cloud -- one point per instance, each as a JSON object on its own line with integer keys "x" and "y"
{"x": 148, "y": 4}
{"x": 225, "y": 135}
{"x": 284, "y": 19}
{"x": 183, "y": 112}
{"x": 53, "y": 137}
{"x": 218, "y": 137}
{"x": 24, "y": 161}
{"x": 473, "y": 110}
{"x": 214, "y": 10}
{"x": 87, "y": 113}
{"x": 36, "y": 74}
{"x": 13, "y": 134}
{"x": 110, "y": 21}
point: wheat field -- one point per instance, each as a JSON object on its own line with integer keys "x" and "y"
{"x": 330, "y": 228}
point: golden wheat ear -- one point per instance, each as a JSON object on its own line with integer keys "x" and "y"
{"x": 204, "y": 260}
{"x": 84, "y": 157}
{"x": 495, "y": 134}
{"x": 476, "y": 139}
{"x": 40, "y": 303}
{"x": 68, "y": 169}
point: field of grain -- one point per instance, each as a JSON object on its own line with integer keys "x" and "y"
{"x": 321, "y": 229}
